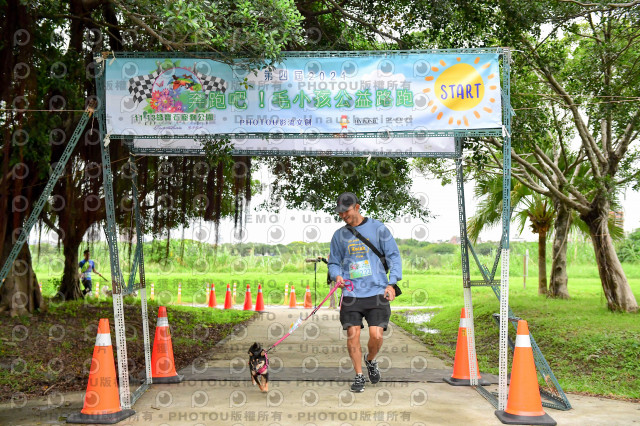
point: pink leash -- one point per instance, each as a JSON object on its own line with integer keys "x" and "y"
{"x": 348, "y": 286}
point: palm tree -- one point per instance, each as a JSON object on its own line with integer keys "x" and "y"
{"x": 527, "y": 205}
{"x": 542, "y": 216}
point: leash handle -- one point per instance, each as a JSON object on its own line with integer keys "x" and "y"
{"x": 349, "y": 287}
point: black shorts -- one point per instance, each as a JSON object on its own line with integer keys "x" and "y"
{"x": 375, "y": 309}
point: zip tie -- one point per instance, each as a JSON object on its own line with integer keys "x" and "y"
{"x": 368, "y": 159}
{"x": 107, "y": 140}
{"x": 114, "y": 58}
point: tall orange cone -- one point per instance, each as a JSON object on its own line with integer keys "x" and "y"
{"x": 212, "y": 296}
{"x": 524, "y": 405}
{"x": 307, "y": 298}
{"x": 101, "y": 401}
{"x": 259, "y": 300}
{"x": 292, "y": 299}
{"x": 227, "y": 298}
{"x": 248, "y": 305}
{"x": 461, "y": 375}
{"x": 163, "y": 369}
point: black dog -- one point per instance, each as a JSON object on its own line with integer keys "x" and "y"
{"x": 259, "y": 367}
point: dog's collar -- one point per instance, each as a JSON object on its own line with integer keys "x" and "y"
{"x": 263, "y": 369}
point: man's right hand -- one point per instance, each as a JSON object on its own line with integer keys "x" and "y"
{"x": 339, "y": 281}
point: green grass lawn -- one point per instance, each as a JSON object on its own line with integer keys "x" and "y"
{"x": 588, "y": 348}
{"x": 52, "y": 348}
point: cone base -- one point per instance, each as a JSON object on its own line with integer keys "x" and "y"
{"x": 464, "y": 382}
{"x": 100, "y": 419}
{"x": 511, "y": 419}
{"x": 166, "y": 380}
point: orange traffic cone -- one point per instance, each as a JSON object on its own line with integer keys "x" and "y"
{"x": 163, "y": 369}
{"x": 292, "y": 300}
{"x": 461, "y": 375}
{"x": 307, "y": 298}
{"x": 259, "y": 300}
{"x": 212, "y": 296}
{"x": 227, "y": 298}
{"x": 524, "y": 405}
{"x": 102, "y": 401}
{"x": 248, "y": 306}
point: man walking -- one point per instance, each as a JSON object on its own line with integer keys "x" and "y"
{"x": 87, "y": 266}
{"x": 362, "y": 251}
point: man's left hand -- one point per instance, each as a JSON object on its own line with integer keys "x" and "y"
{"x": 389, "y": 293}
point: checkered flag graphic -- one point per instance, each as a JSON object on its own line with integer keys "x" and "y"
{"x": 141, "y": 86}
{"x": 211, "y": 83}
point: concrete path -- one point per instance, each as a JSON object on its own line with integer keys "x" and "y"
{"x": 310, "y": 375}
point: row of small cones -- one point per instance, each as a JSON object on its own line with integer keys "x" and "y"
{"x": 524, "y": 404}
{"x": 102, "y": 399}
{"x": 228, "y": 299}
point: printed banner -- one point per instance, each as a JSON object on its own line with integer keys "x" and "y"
{"x": 380, "y": 93}
{"x": 346, "y": 145}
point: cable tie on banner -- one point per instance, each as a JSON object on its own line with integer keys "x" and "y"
{"x": 368, "y": 159}
{"x": 107, "y": 140}
{"x": 114, "y": 58}
{"x": 505, "y": 132}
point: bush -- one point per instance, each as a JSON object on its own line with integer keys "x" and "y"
{"x": 629, "y": 249}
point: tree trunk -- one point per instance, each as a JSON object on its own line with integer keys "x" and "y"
{"x": 542, "y": 262}
{"x": 166, "y": 255}
{"x": 20, "y": 293}
{"x": 70, "y": 285}
{"x": 614, "y": 281}
{"x": 559, "y": 279}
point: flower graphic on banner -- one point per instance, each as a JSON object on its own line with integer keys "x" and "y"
{"x": 462, "y": 91}
{"x": 174, "y": 89}
{"x": 177, "y": 90}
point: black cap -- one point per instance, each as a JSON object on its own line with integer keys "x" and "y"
{"x": 345, "y": 201}
{"x": 86, "y": 251}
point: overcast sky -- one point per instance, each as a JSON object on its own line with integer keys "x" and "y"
{"x": 298, "y": 225}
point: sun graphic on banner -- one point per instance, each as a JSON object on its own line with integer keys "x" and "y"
{"x": 460, "y": 94}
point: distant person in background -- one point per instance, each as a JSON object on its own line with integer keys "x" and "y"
{"x": 87, "y": 266}
{"x": 330, "y": 283}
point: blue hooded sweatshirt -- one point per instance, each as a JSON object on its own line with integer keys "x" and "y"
{"x": 354, "y": 261}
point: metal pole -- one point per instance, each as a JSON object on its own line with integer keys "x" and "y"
{"x": 117, "y": 281}
{"x": 466, "y": 275}
{"x": 525, "y": 267}
{"x": 506, "y": 217}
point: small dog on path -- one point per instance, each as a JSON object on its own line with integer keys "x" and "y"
{"x": 259, "y": 367}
